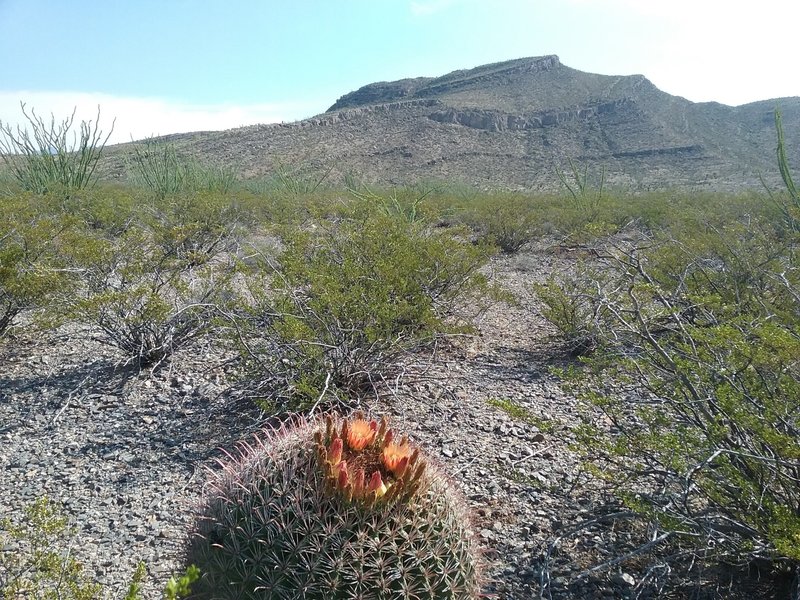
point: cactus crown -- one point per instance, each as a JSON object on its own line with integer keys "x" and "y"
{"x": 362, "y": 462}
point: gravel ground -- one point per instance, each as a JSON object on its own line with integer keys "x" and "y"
{"x": 125, "y": 453}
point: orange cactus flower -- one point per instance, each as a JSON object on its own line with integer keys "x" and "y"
{"x": 395, "y": 458}
{"x": 360, "y": 434}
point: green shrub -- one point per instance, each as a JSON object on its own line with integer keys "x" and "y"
{"x": 105, "y": 209}
{"x": 196, "y": 227}
{"x": 31, "y": 265}
{"x": 568, "y": 304}
{"x": 158, "y": 167}
{"x": 697, "y": 370}
{"x": 33, "y": 561}
{"x": 47, "y": 157}
{"x": 143, "y": 301}
{"x": 151, "y": 277}
{"x": 36, "y": 563}
{"x": 329, "y": 510}
{"x": 348, "y": 301}
{"x": 507, "y": 221}
{"x": 695, "y": 367}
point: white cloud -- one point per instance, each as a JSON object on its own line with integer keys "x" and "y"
{"x": 138, "y": 118}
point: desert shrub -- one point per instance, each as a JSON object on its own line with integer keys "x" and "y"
{"x": 196, "y": 227}
{"x": 44, "y": 157}
{"x": 141, "y": 300}
{"x": 333, "y": 509}
{"x": 347, "y": 301}
{"x": 569, "y": 304}
{"x": 158, "y": 167}
{"x": 33, "y": 562}
{"x": 507, "y": 221}
{"x": 36, "y": 562}
{"x": 31, "y": 265}
{"x": 106, "y": 209}
{"x": 151, "y": 275}
{"x": 697, "y": 370}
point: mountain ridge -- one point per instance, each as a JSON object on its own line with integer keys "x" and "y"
{"x": 514, "y": 125}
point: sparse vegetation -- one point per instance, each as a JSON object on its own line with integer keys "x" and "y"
{"x": 520, "y": 413}
{"x": 35, "y": 561}
{"x": 694, "y": 360}
{"x": 684, "y": 311}
{"x": 31, "y": 265}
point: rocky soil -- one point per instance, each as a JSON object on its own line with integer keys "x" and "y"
{"x": 125, "y": 453}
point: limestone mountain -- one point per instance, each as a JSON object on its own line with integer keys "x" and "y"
{"x": 514, "y": 125}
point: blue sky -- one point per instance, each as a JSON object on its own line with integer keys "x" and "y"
{"x": 181, "y": 65}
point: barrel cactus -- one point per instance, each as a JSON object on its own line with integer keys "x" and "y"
{"x": 334, "y": 509}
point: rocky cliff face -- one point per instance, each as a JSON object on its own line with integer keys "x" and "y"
{"x": 514, "y": 125}
{"x": 493, "y": 120}
{"x": 380, "y": 93}
{"x": 427, "y": 87}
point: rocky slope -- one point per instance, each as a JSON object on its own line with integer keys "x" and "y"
{"x": 513, "y": 125}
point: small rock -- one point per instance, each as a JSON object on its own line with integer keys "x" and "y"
{"x": 623, "y": 580}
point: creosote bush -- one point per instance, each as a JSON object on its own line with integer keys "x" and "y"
{"x": 345, "y": 303}
{"x": 696, "y": 367}
{"x": 333, "y": 509}
{"x": 31, "y": 262}
{"x": 696, "y": 334}
{"x": 143, "y": 299}
{"x": 568, "y": 304}
{"x": 151, "y": 280}
{"x": 37, "y": 565}
{"x": 507, "y": 221}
